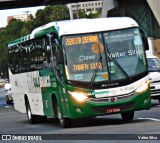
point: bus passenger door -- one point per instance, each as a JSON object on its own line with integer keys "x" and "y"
{"x": 58, "y": 70}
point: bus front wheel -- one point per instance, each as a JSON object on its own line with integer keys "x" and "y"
{"x": 127, "y": 116}
{"x": 63, "y": 121}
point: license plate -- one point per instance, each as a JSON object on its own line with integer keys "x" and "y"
{"x": 113, "y": 110}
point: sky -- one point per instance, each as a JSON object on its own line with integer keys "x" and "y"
{"x": 10, "y": 12}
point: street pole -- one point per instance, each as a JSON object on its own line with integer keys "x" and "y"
{"x": 27, "y": 13}
{"x": 77, "y": 11}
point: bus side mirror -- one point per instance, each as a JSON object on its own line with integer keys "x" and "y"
{"x": 59, "y": 56}
{"x": 145, "y": 40}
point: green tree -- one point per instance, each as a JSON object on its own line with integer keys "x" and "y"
{"x": 89, "y": 14}
{"x": 59, "y": 12}
{"x": 14, "y": 27}
{"x": 3, "y": 53}
{"x": 12, "y": 31}
{"x": 51, "y": 13}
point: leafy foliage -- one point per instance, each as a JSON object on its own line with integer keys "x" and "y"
{"x": 90, "y": 14}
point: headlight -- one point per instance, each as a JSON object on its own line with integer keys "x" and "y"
{"x": 79, "y": 96}
{"x": 7, "y": 86}
{"x": 142, "y": 88}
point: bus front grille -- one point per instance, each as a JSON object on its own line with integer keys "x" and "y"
{"x": 118, "y": 98}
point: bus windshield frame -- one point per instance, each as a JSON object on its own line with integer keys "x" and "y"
{"x": 106, "y": 56}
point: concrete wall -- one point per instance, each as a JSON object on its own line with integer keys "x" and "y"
{"x": 156, "y": 47}
{"x": 155, "y": 6}
{"x": 108, "y": 5}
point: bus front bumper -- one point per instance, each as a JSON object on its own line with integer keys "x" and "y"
{"x": 91, "y": 108}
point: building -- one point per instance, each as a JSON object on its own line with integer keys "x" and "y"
{"x": 86, "y": 6}
{"x": 22, "y": 17}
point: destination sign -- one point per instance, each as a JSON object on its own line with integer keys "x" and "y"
{"x": 81, "y": 40}
{"x": 91, "y": 66}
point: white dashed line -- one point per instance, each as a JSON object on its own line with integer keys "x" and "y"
{"x": 152, "y": 119}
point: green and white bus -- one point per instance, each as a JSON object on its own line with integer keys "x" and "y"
{"x": 80, "y": 68}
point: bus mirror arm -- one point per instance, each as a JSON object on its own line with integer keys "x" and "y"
{"x": 145, "y": 40}
{"x": 59, "y": 56}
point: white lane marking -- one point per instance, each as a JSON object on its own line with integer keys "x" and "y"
{"x": 153, "y": 119}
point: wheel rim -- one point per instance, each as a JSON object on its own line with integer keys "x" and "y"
{"x": 59, "y": 115}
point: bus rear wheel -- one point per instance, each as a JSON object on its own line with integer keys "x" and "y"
{"x": 63, "y": 121}
{"x": 33, "y": 119}
{"x": 127, "y": 116}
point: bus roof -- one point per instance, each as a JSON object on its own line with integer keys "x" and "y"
{"x": 19, "y": 40}
{"x": 87, "y": 25}
{"x": 78, "y": 26}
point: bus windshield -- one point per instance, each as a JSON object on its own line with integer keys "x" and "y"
{"x": 104, "y": 56}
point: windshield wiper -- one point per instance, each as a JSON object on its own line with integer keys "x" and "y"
{"x": 96, "y": 69}
{"x": 118, "y": 65}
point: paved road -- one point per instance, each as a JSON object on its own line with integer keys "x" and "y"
{"x": 2, "y": 98}
{"x": 145, "y": 122}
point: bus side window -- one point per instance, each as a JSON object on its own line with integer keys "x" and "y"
{"x": 23, "y": 59}
{"x": 38, "y": 58}
{"x": 10, "y": 61}
{"x": 47, "y": 63}
{"x": 34, "y": 54}
{"x": 16, "y": 59}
